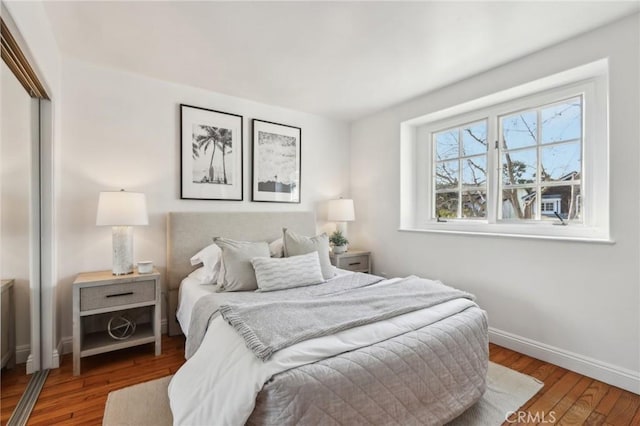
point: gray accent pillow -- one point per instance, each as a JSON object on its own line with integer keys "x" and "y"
{"x": 295, "y": 245}
{"x": 287, "y": 272}
{"x": 236, "y": 273}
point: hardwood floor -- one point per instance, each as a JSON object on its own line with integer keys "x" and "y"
{"x": 567, "y": 398}
{"x": 14, "y": 382}
{"x": 69, "y": 400}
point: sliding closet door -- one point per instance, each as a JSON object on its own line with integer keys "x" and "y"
{"x": 19, "y": 231}
{"x": 19, "y": 193}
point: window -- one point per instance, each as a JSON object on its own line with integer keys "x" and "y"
{"x": 541, "y": 162}
{"x": 517, "y": 162}
{"x": 460, "y": 180}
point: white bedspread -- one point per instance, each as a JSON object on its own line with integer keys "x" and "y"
{"x": 218, "y": 385}
{"x": 190, "y": 292}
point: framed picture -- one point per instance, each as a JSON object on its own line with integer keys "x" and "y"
{"x": 210, "y": 154}
{"x": 276, "y": 162}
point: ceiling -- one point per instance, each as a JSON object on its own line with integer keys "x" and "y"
{"x": 342, "y": 60}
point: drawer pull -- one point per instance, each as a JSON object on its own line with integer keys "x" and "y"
{"x": 128, "y": 293}
{"x": 354, "y": 263}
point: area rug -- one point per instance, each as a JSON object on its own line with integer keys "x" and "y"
{"x": 148, "y": 403}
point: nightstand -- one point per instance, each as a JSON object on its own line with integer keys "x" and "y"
{"x": 352, "y": 260}
{"x": 100, "y": 296}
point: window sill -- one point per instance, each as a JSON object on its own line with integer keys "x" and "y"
{"x": 574, "y": 233}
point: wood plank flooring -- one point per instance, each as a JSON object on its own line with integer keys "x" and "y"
{"x": 14, "y": 382}
{"x": 567, "y": 398}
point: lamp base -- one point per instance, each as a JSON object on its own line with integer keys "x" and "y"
{"x": 122, "y": 250}
{"x": 342, "y": 227}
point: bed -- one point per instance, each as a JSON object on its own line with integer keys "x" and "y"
{"x": 422, "y": 367}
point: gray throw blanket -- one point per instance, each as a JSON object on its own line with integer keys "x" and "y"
{"x": 207, "y": 308}
{"x": 268, "y": 326}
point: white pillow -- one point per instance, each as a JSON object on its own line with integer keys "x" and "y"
{"x": 276, "y": 248}
{"x": 202, "y": 277}
{"x": 287, "y": 272}
{"x": 209, "y": 257}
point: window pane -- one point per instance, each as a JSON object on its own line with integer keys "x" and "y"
{"x": 474, "y": 139}
{"x": 518, "y": 203}
{"x": 474, "y": 171}
{"x": 447, "y": 175}
{"x": 562, "y": 122}
{"x": 447, "y": 145}
{"x": 564, "y": 200}
{"x": 474, "y": 203}
{"x": 519, "y": 130}
{"x": 561, "y": 162}
{"x": 447, "y": 204}
{"x": 519, "y": 167}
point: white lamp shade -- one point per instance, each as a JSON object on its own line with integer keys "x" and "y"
{"x": 122, "y": 208}
{"x": 341, "y": 210}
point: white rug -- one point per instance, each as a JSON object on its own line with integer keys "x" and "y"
{"x": 148, "y": 403}
{"x": 507, "y": 390}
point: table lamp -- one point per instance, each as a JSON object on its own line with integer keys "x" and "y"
{"x": 121, "y": 210}
{"x": 341, "y": 211}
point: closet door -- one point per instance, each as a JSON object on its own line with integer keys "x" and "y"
{"x": 20, "y": 218}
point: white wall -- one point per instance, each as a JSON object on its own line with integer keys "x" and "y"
{"x": 17, "y": 139}
{"x": 122, "y": 130}
{"x": 576, "y": 304}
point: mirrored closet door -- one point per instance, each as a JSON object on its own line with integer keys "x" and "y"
{"x": 20, "y": 239}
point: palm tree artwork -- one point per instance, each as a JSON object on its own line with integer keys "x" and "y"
{"x": 207, "y": 140}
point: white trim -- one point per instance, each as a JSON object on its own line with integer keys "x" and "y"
{"x": 509, "y": 231}
{"x": 55, "y": 359}
{"x": 590, "y": 367}
{"x": 49, "y": 188}
{"x": 5, "y": 358}
{"x": 35, "y": 293}
{"x": 66, "y": 345}
{"x": 30, "y": 366}
{"x": 22, "y": 353}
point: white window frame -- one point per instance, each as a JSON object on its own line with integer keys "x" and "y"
{"x": 417, "y": 195}
{"x": 432, "y": 148}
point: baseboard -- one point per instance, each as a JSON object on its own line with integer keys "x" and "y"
{"x": 55, "y": 358}
{"x": 605, "y": 372}
{"x": 22, "y": 353}
{"x": 29, "y": 365}
{"x": 65, "y": 346}
{"x": 5, "y": 359}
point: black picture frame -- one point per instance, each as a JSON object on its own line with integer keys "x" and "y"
{"x": 276, "y": 162}
{"x": 225, "y": 135}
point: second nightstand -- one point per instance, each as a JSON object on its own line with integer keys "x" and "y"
{"x": 353, "y": 260}
{"x": 99, "y": 296}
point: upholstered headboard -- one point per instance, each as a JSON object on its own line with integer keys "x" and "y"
{"x": 188, "y": 232}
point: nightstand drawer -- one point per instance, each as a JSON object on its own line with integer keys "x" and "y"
{"x": 107, "y": 296}
{"x": 354, "y": 263}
